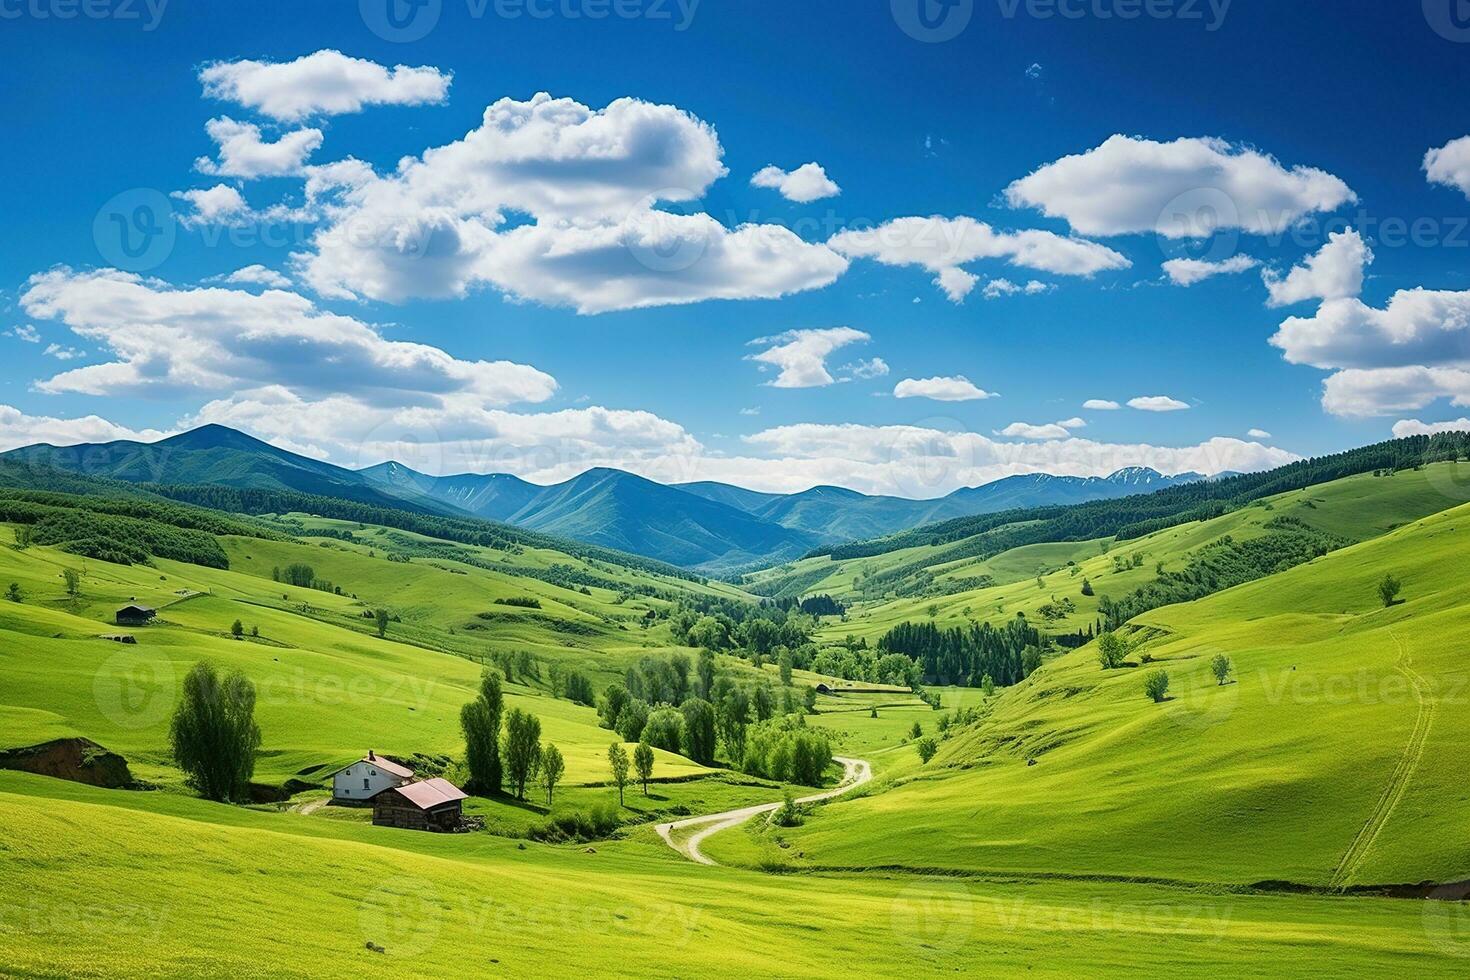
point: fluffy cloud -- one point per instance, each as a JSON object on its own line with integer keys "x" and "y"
{"x": 1450, "y": 165}
{"x": 1378, "y": 391}
{"x": 19, "y": 429}
{"x": 1187, "y": 272}
{"x": 592, "y": 180}
{"x": 215, "y": 205}
{"x": 1417, "y": 327}
{"x": 808, "y": 182}
{"x": 955, "y": 389}
{"x": 924, "y": 462}
{"x": 325, "y": 83}
{"x": 1335, "y": 272}
{"x": 1404, "y": 428}
{"x": 1101, "y": 405}
{"x": 1259, "y": 434}
{"x": 255, "y": 275}
{"x": 1026, "y": 430}
{"x": 801, "y": 355}
{"x": 170, "y": 342}
{"x": 243, "y": 153}
{"x": 1157, "y": 403}
{"x": 996, "y": 288}
{"x": 1184, "y": 189}
{"x": 942, "y": 245}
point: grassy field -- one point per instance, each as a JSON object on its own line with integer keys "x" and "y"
{"x": 1334, "y": 757}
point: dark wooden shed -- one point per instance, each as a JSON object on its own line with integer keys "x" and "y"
{"x": 134, "y": 615}
{"x": 430, "y": 804}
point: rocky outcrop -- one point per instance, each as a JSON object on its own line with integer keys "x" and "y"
{"x": 80, "y": 760}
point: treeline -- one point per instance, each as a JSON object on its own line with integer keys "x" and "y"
{"x": 465, "y": 530}
{"x": 1224, "y": 564}
{"x": 110, "y": 537}
{"x": 966, "y": 655}
{"x": 1132, "y": 517}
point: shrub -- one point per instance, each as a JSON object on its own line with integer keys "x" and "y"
{"x": 1112, "y": 650}
{"x": 523, "y": 601}
{"x": 1388, "y": 589}
{"x": 926, "y": 747}
{"x": 788, "y": 814}
{"x": 1156, "y": 685}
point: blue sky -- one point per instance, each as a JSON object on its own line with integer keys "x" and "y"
{"x": 572, "y": 287}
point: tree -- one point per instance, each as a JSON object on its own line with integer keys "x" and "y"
{"x": 699, "y": 730}
{"x": 733, "y": 716}
{"x": 764, "y": 702}
{"x": 213, "y": 733}
{"x": 73, "y": 582}
{"x": 1030, "y": 661}
{"x": 916, "y": 731}
{"x": 381, "y": 618}
{"x": 1220, "y": 667}
{"x": 783, "y": 662}
{"x": 933, "y": 610}
{"x": 1156, "y": 685}
{"x": 550, "y": 768}
{"x": 926, "y": 747}
{"x": 237, "y": 629}
{"x": 1086, "y": 587}
{"x": 480, "y": 721}
{"x": 809, "y": 699}
{"x": 617, "y": 761}
{"x": 665, "y": 729}
{"x": 987, "y": 686}
{"x": 643, "y": 763}
{"x": 1388, "y": 589}
{"x": 14, "y": 594}
{"x": 632, "y": 720}
{"x": 522, "y": 748}
{"x": 299, "y": 574}
{"x": 614, "y": 700}
{"x": 1111, "y": 650}
{"x": 579, "y": 689}
{"x": 706, "y": 672}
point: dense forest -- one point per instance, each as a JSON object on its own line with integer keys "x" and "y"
{"x": 83, "y": 526}
{"x": 967, "y": 655}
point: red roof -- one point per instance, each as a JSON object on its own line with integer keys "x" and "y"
{"x": 391, "y": 768}
{"x": 430, "y": 793}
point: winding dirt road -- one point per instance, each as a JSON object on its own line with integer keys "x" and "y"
{"x": 856, "y": 772}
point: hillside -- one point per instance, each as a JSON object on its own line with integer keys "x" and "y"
{"x": 1330, "y": 760}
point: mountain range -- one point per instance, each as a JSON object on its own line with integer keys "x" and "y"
{"x": 715, "y": 528}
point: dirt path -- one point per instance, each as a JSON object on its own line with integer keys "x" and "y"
{"x": 855, "y": 773}
{"x": 1398, "y": 780}
{"x": 311, "y": 806}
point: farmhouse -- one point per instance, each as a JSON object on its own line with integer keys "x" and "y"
{"x": 432, "y": 804}
{"x": 134, "y": 615}
{"x": 367, "y": 777}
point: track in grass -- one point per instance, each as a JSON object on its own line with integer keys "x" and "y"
{"x": 856, "y": 772}
{"x": 1398, "y": 780}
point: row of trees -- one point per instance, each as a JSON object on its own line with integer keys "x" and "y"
{"x": 503, "y": 748}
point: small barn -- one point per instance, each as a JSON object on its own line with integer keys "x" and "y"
{"x": 431, "y": 804}
{"x": 134, "y": 615}
{"x": 822, "y": 688}
{"x": 367, "y": 777}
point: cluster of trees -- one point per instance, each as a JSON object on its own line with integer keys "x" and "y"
{"x": 966, "y": 655}
{"x": 787, "y": 750}
{"x": 854, "y": 661}
{"x": 503, "y": 748}
{"x": 116, "y": 538}
{"x": 822, "y": 605}
{"x": 1223, "y": 564}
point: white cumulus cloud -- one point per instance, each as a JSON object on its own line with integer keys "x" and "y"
{"x": 1188, "y": 188}
{"x": 1449, "y": 165}
{"x": 325, "y": 83}
{"x": 1101, "y": 405}
{"x": 941, "y": 389}
{"x": 1404, "y": 428}
{"x": 808, "y": 182}
{"x": 1157, "y": 403}
{"x": 244, "y": 153}
{"x": 1187, "y": 272}
{"x": 1334, "y": 272}
{"x": 801, "y": 355}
